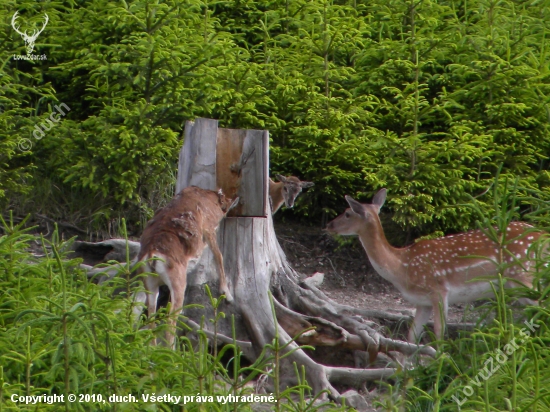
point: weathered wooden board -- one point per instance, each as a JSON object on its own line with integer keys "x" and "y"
{"x": 236, "y": 161}
{"x": 242, "y": 167}
{"x": 254, "y": 174}
{"x": 197, "y": 160}
{"x": 229, "y": 149}
{"x": 184, "y": 165}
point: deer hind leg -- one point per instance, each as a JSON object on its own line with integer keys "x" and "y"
{"x": 175, "y": 277}
{"x": 139, "y": 299}
{"x": 441, "y": 308}
{"x": 210, "y": 238}
{"x": 151, "y": 284}
{"x": 421, "y": 317}
{"x": 526, "y": 280}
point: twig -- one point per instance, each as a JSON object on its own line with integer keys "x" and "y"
{"x": 292, "y": 242}
{"x": 62, "y": 224}
{"x": 225, "y": 339}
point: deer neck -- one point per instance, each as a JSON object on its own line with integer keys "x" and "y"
{"x": 276, "y": 194}
{"x": 385, "y": 259}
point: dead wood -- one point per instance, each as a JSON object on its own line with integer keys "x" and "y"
{"x": 65, "y": 225}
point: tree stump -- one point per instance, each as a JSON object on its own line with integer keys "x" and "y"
{"x": 237, "y": 162}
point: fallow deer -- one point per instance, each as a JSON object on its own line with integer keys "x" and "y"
{"x": 432, "y": 274}
{"x": 177, "y": 234}
{"x": 285, "y": 191}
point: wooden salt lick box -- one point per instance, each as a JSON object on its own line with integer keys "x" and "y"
{"x": 234, "y": 160}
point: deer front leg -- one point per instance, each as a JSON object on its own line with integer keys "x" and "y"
{"x": 421, "y": 317}
{"x": 178, "y": 283}
{"x": 210, "y": 238}
{"x": 151, "y": 284}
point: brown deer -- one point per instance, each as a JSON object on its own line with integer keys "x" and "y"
{"x": 432, "y": 274}
{"x": 285, "y": 191}
{"x": 177, "y": 234}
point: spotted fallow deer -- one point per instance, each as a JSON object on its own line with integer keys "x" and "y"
{"x": 178, "y": 233}
{"x": 432, "y": 274}
{"x": 285, "y": 191}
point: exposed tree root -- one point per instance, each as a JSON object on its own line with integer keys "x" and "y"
{"x": 299, "y": 306}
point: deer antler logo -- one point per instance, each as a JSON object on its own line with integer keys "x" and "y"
{"x": 29, "y": 39}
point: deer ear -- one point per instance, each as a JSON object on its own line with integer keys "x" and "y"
{"x": 306, "y": 184}
{"x": 379, "y": 198}
{"x": 356, "y": 206}
{"x": 233, "y": 204}
{"x": 281, "y": 178}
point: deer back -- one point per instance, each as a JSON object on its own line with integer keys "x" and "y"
{"x": 180, "y": 225}
{"x": 461, "y": 258}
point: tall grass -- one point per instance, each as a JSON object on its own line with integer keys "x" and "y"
{"x": 61, "y": 333}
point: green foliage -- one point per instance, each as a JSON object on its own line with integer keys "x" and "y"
{"x": 20, "y": 92}
{"x": 62, "y": 334}
{"x": 498, "y": 367}
{"x": 424, "y": 98}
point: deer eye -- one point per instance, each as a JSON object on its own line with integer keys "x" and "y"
{"x": 286, "y": 189}
{"x": 347, "y": 215}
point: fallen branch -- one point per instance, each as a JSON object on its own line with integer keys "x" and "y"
{"x": 62, "y": 224}
{"x": 244, "y": 345}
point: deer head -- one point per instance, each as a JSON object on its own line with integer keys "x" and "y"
{"x": 29, "y": 39}
{"x": 358, "y": 216}
{"x": 292, "y": 188}
{"x": 226, "y": 204}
